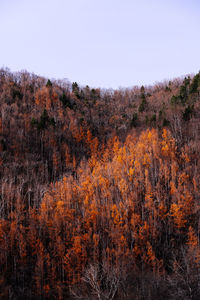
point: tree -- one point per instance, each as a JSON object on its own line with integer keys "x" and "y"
{"x": 49, "y": 83}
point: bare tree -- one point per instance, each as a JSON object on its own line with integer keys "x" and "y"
{"x": 102, "y": 283}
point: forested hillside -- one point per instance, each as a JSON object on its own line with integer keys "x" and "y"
{"x": 100, "y": 190}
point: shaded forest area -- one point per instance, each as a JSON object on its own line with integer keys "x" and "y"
{"x": 99, "y": 190}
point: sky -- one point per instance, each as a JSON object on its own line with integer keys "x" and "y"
{"x": 101, "y": 43}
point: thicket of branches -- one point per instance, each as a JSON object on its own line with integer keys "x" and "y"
{"x": 99, "y": 190}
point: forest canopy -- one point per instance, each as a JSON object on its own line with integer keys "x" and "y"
{"x": 99, "y": 190}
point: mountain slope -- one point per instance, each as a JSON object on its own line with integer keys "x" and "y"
{"x": 99, "y": 190}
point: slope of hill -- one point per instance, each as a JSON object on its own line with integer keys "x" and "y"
{"x": 99, "y": 190}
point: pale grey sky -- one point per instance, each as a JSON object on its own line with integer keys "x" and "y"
{"x": 102, "y": 43}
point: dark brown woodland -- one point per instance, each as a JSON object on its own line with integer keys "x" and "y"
{"x": 100, "y": 190}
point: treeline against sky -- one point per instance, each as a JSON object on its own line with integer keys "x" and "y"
{"x": 99, "y": 190}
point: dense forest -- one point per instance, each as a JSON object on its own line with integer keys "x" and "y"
{"x": 100, "y": 190}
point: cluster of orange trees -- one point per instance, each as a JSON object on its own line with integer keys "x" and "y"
{"x": 132, "y": 207}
